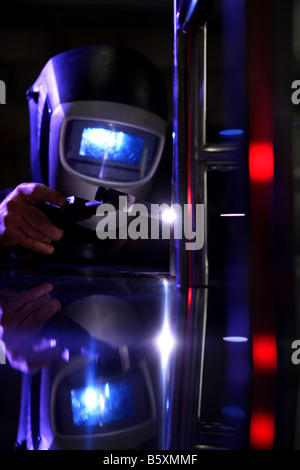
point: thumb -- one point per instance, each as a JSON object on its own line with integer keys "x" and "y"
{"x": 37, "y": 192}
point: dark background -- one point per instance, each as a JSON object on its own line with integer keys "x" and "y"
{"x": 31, "y": 32}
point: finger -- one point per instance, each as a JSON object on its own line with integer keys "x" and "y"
{"x": 16, "y": 335}
{"x": 35, "y": 221}
{"x": 29, "y": 361}
{"x": 35, "y": 361}
{"x": 36, "y": 193}
{"x": 31, "y": 232}
{"x": 20, "y": 232}
{"x": 33, "y": 293}
{"x": 17, "y": 311}
{"x": 17, "y": 235}
{"x": 32, "y": 244}
{"x": 31, "y": 309}
{"x": 35, "y": 320}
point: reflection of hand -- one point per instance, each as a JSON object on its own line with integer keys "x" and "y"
{"x": 22, "y": 316}
{"x": 22, "y": 223}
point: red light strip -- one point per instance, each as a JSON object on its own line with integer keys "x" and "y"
{"x": 186, "y": 354}
{"x": 261, "y": 174}
{"x": 262, "y": 422}
{"x": 262, "y": 430}
{"x": 264, "y": 350}
{"x": 261, "y": 161}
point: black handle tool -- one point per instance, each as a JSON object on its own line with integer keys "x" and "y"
{"x": 75, "y": 210}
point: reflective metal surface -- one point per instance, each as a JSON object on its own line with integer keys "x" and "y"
{"x": 114, "y": 321}
{"x": 110, "y": 320}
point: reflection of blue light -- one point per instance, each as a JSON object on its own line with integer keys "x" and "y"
{"x": 103, "y": 144}
{"x": 99, "y": 404}
{"x": 235, "y": 339}
{"x": 165, "y": 340}
{"x": 232, "y": 132}
{"x": 233, "y": 412}
{"x": 89, "y": 398}
{"x": 238, "y": 214}
{"x": 191, "y": 9}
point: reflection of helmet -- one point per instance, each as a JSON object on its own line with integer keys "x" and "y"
{"x": 102, "y": 397}
{"x": 97, "y": 117}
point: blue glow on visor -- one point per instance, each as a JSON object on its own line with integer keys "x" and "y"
{"x": 100, "y": 404}
{"x": 104, "y": 144}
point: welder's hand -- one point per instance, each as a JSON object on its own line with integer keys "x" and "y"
{"x": 22, "y": 223}
{"x": 22, "y": 316}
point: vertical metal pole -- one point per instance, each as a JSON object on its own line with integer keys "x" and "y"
{"x": 191, "y": 160}
{"x": 191, "y": 266}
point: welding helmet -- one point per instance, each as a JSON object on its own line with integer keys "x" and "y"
{"x": 97, "y": 117}
{"x": 101, "y": 394}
